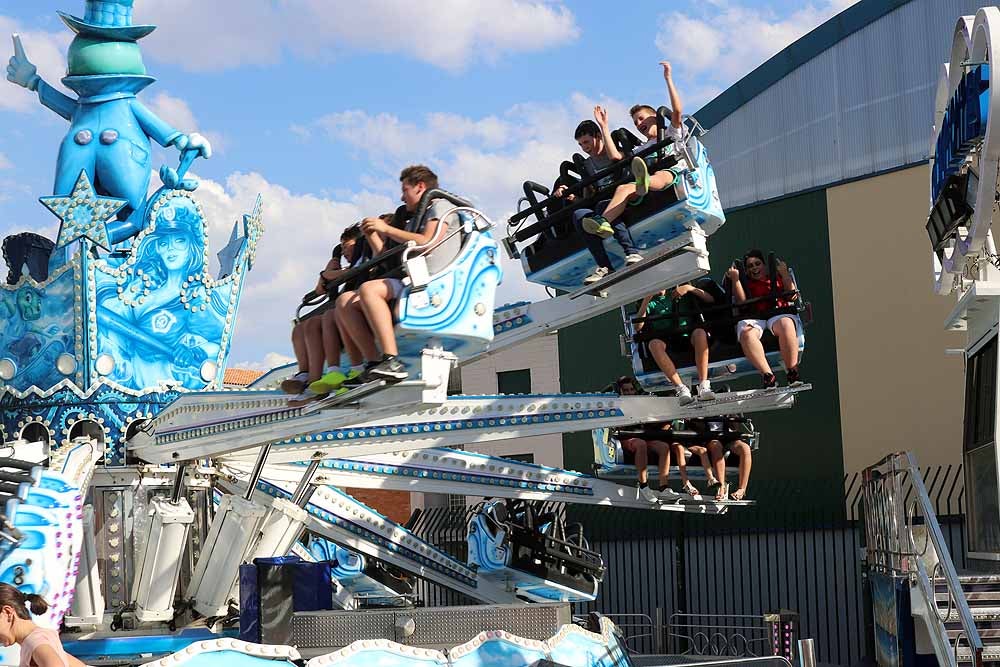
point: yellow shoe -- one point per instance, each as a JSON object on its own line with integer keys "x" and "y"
{"x": 328, "y": 382}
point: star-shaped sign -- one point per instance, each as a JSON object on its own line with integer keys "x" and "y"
{"x": 83, "y": 214}
{"x": 230, "y": 254}
{"x": 253, "y": 229}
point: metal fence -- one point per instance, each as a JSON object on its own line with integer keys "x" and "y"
{"x": 680, "y": 579}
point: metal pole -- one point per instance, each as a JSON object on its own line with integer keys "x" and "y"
{"x": 807, "y": 653}
{"x": 300, "y": 496}
{"x": 178, "y": 488}
{"x": 258, "y": 468}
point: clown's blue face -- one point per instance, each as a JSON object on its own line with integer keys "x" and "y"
{"x": 174, "y": 250}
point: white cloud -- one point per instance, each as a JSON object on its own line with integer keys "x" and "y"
{"x": 177, "y": 113}
{"x": 227, "y": 33}
{"x": 300, "y": 230}
{"x": 5, "y": 162}
{"x": 47, "y": 50}
{"x": 718, "y": 44}
{"x": 265, "y": 363}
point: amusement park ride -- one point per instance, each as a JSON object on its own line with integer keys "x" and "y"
{"x": 139, "y": 494}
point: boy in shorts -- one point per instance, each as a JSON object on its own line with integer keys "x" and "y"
{"x": 644, "y": 117}
{"x": 679, "y": 303}
{"x": 784, "y": 326}
{"x": 365, "y": 315}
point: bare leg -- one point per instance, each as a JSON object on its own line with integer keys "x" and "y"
{"x": 314, "y": 347}
{"x": 788, "y": 341}
{"x": 352, "y": 321}
{"x": 661, "y": 180}
{"x": 375, "y": 297}
{"x": 618, "y": 200}
{"x": 718, "y": 456}
{"x": 331, "y": 339}
{"x": 743, "y": 450}
{"x": 659, "y": 351}
{"x": 753, "y": 349}
{"x": 699, "y": 339}
{"x": 641, "y": 459}
{"x": 678, "y": 450}
{"x": 299, "y": 346}
{"x": 703, "y": 456}
{"x": 662, "y": 450}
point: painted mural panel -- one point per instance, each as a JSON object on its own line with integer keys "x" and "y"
{"x": 160, "y": 316}
{"x": 38, "y": 327}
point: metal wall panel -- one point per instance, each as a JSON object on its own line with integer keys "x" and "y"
{"x": 862, "y": 106}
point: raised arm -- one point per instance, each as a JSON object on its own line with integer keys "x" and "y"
{"x": 642, "y": 311}
{"x": 734, "y": 277}
{"x": 21, "y": 71}
{"x": 787, "y": 281}
{"x": 676, "y": 118}
{"x": 701, "y": 294}
{"x": 601, "y": 116}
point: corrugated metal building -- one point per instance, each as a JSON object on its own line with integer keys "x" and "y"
{"x": 821, "y": 156}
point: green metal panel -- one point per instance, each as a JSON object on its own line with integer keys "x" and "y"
{"x": 803, "y": 443}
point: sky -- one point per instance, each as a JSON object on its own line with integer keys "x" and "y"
{"x": 318, "y": 104}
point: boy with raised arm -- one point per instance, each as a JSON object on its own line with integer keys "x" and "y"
{"x": 644, "y": 117}
{"x": 595, "y": 140}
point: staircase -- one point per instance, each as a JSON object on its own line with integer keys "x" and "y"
{"x": 982, "y": 593}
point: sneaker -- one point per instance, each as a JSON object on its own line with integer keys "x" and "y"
{"x": 793, "y": 377}
{"x": 646, "y": 493}
{"x": 705, "y": 392}
{"x": 390, "y": 368}
{"x": 306, "y": 397}
{"x": 598, "y": 275}
{"x": 632, "y": 258}
{"x": 328, "y": 382}
{"x": 597, "y": 225}
{"x": 668, "y": 495}
{"x": 769, "y": 381}
{"x": 295, "y": 384}
{"x": 641, "y": 173}
{"x": 684, "y": 396}
{"x": 356, "y": 379}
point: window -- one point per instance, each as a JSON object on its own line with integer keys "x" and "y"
{"x": 456, "y": 502}
{"x": 980, "y": 396}
{"x": 514, "y": 382}
{"x": 523, "y": 458}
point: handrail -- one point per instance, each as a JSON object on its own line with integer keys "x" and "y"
{"x": 892, "y": 547}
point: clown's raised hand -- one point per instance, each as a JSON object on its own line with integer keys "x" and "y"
{"x": 20, "y": 70}
{"x": 194, "y": 142}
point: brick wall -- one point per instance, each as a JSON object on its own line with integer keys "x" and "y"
{"x": 393, "y": 504}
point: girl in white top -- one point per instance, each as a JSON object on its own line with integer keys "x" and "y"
{"x": 40, "y": 647}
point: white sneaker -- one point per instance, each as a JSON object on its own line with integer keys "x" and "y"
{"x": 705, "y": 392}
{"x": 668, "y": 495}
{"x": 632, "y": 258}
{"x": 684, "y": 396}
{"x": 296, "y": 383}
{"x": 646, "y": 493}
{"x": 598, "y": 274}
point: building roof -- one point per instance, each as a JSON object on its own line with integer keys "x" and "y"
{"x": 240, "y": 377}
{"x": 794, "y": 55}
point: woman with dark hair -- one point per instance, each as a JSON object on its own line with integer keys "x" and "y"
{"x": 785, "y": 326}
{"x": 40, "y": 647}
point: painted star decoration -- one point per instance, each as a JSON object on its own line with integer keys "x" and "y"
{"x": 83, "y": 214}
{"x": 232, "y": 253}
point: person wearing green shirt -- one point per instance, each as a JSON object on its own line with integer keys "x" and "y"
{"x": 677, "y": 310}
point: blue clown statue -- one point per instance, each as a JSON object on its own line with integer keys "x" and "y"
{"x": 110, "y": 130}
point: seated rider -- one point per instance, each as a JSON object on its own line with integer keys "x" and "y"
{"x": 308, "y": 334}
{"x": 638, "y": 440}
{"x": 784, "y": 326}
{"x": 727, "y": 441}
{"x": 679, "y": 330}
{"x": 365, "y": 315}
{"x": 693, "y": 436}
{"x": 644, "y": 117}
{"x": 595, "y": 140}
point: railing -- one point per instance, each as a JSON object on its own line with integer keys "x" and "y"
{"x": 735, "y": 635}
{"x": 633, "y": 628}
{"x": 892, "y": 548}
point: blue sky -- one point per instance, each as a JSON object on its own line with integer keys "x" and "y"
{"x": 317, "y": 104}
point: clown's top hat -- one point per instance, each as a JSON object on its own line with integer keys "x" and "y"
{"x": 107, "y": 19}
